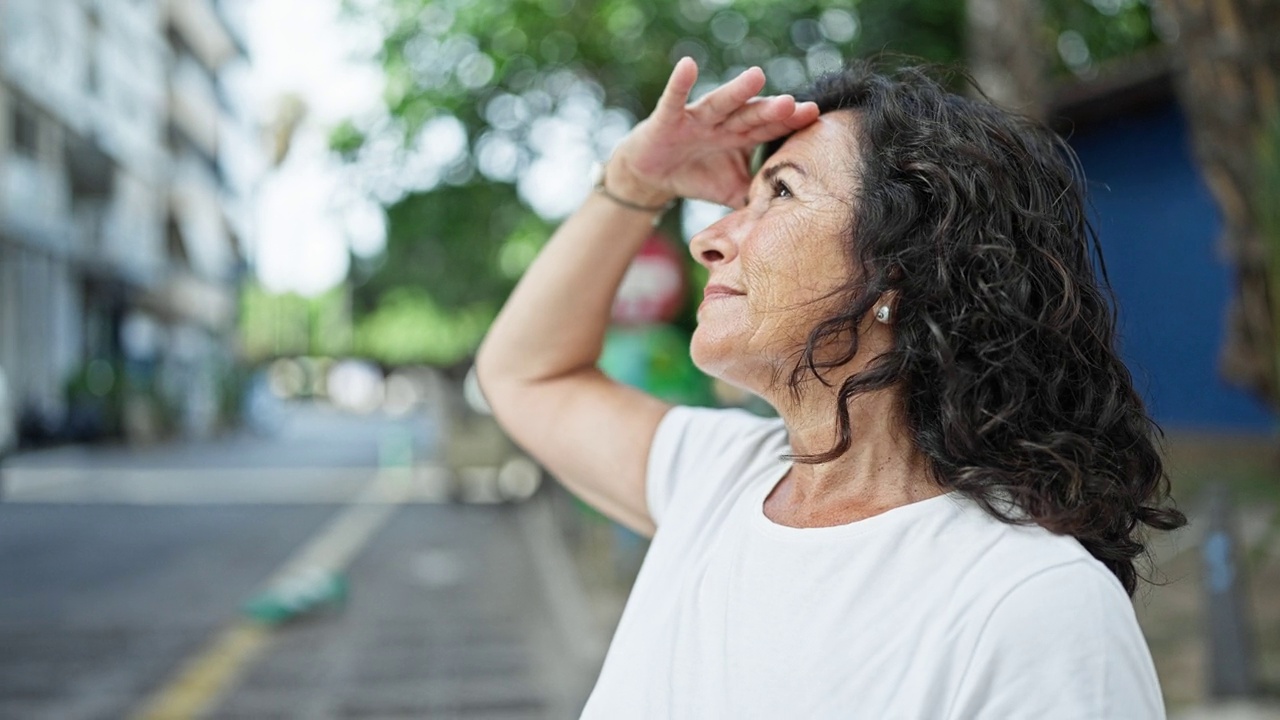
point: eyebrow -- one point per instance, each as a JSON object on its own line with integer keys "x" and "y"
{"x": 772, "y": 171}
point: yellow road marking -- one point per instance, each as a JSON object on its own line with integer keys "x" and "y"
{"x": 203, "y": 680}
{"x": 206, "y": 676}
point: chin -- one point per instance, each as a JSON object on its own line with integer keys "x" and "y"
{"x": 709, "y": 354}
{"x": 719, "y": 357}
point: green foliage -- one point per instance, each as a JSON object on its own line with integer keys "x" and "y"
{"x": 408, "y": 327}
{"x": 346, "y": 139}
{"x": 453, "y": 56}
{"x": 404, "y": 325}
{"x": 1088, "y": 33}
{"x": 289, "y": 325}
{"x": 450, "y": 243}
{"x": 1268, "y": 181}
{"x": 99, "y": 387}
{"x": 1268, "y": 189}
{"x": 500, "y": 66}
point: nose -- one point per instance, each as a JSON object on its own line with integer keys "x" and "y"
{"x": 716, "y": 244}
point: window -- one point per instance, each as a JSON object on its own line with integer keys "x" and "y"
{"x": 26, "y": 128}
{"x": 176, "y": 248}
{"x": 92, "y": 34}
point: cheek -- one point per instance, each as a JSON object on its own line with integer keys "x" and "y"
{"x": 786, "y": 274}
{"x": 798, "y": 260}
{"x": 773, "y": 271}
{"x": 789, "y": 287}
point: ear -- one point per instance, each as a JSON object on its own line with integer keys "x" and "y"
{"x": 885, "y": 311}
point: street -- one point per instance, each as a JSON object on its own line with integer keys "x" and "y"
{"x": 124, "y": 574}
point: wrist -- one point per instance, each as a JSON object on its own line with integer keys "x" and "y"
{"x": 618, "y": 181}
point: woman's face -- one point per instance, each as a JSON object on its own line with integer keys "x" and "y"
{"x": 774, "y": 263}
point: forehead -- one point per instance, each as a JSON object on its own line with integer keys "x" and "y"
{"x": 828, "y": 144}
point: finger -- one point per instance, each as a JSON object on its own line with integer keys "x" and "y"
{"x": 736, "y": 195}
{"x": 676, "y": 94}
{"x": 718, "y": 104}
{"x": 760, "y": 111}
{"x": 805, "y": 114}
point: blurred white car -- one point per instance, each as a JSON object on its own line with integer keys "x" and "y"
{"x": 8, "y": 418}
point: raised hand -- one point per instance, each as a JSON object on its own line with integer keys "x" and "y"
{"x": 702, "y": 150}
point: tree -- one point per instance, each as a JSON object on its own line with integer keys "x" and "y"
{"x": 1007, "y": 52}
{"x": 1228, "y": 76}
{"x": 532, "y": 91}
{"x": 450, "y": 242}
{"x": 1018, "y": 49}
{"x": 460, "y": 56}
{"x": 539, "y": 88}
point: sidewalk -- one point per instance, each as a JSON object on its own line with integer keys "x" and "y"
{"x": 1230, "y": 711}
{"x": 320, "y": 455}
{"x": 449, "y": 617}
{"x": 454, "y": 610}
{"x": 439, "y": 569}
{"x": 1173, "y": 613}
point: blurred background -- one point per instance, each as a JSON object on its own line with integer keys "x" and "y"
{"x": 248, "y": 249}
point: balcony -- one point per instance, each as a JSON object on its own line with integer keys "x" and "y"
{"x": 193, "y": 104}
{"x": 235, "y": 20}
{"x": 198, "y": 25}
{"x": 131, "y": 99}
{"x": 185, "y": 296}
{"x": 43, "y": 51}
{"x": 89, "y": 219}
{"x": 200, "y": 222}
{"x": 33, "y": 202}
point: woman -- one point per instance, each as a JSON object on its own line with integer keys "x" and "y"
{"x": 944, "y": 520}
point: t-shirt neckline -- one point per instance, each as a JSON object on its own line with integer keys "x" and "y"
{"x": 888, "y": 518}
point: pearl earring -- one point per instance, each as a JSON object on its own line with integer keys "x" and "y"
{"x": 883, "y": 314}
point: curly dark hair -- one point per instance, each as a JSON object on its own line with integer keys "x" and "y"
{"x": 1004, "y": 335}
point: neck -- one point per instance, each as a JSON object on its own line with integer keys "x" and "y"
{"x": 881, "y": 470}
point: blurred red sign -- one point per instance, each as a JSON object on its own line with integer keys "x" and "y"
{"x": 654, "y": 286}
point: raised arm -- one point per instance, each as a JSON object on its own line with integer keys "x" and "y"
{"x": 537, "y": 366}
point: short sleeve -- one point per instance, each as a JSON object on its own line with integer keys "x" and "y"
{"x": 1062, "y": 645}
{"x": 698, "y": 453}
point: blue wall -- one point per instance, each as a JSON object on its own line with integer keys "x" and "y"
{"x": 1159, "y": 231}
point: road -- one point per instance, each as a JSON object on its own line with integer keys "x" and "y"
{"x": 124, "y": 573}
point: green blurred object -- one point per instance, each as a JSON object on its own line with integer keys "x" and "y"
{"x": 296, "y": 596}
{"x": 655, "y": 358}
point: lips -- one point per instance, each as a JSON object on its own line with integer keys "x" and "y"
{"x": 720, "y": 291}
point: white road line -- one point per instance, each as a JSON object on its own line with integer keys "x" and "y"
{"x": 326, "y": 486}
{"x": 565, "y": 595}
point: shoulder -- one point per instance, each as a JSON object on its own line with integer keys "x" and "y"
{"x": 699, "y": 452}
{"x": 1023, "y": 576}
{"x": 1002, "y": 556}
{"x": 1073, "y": 596}
{"x": 718, "y": 422}
{"x": 691, "y": 438}
{"x": 1060, "y": 640}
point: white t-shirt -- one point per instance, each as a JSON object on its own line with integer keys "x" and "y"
{"x": 933, "y": 610}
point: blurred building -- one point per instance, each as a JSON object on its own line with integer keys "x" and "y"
{"x": 1159, "y": 228}
{"x": 124, "y": 211}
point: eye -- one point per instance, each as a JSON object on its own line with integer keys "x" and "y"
{"x": 780, "y": 189}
